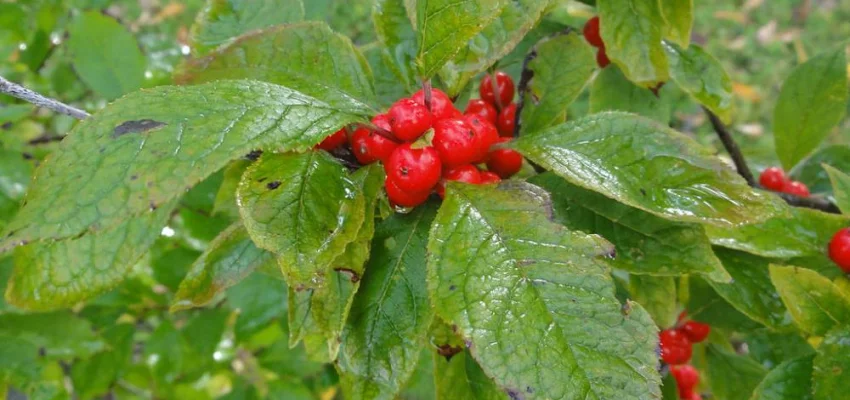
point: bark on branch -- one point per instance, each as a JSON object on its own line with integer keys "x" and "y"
{"x": 15, "y": 90}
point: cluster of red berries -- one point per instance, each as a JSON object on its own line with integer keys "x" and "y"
{"x": 774, "y": 179}
{"x": 839, "y": 249}
{"x": 591, "y": 34}
{"x": 424, "y": 144}
{"x": 676, "y": 349}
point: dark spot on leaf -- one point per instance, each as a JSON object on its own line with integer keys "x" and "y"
{"x": 643, "y": 192}
{"x": 513, "y": 394}
{"x": 261, "y": 180}
{"x": 448, "y": 351}
{"x": 134, "y": 177}
{"x": 27, "y": 156}
{"x": 528, "y": 389}
{"x": 353, "y": 276}
{"x": 153, "y": 206}
{"x": 150, "y": 184}
{"x": 139, "y": 126}
{"x": 454, "y": 328}
{"x": 254, "y": 155}
{"x": 273, "y": 185}
{"x": 7, "y": 125}
{"x": 627, "y": 308}
{"x": 101, "y": 150}
{"x": 42, "y": 351}
{"x": 452, "y": 287}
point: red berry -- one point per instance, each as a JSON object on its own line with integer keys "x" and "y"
{"x": 505, "y": 88}
{"x": 796, "y": 188}
{"x": 773, "y": 178}
{"x": 839, "y": 249}
{"x": 333, "y": 141}
{"x": 507, "y": 121}
{"x": 675, "y": 347}
{"x": 464, "y": 173}
{"x": 409, "y": 119}
{"x": 414, "y": 170}
{"x": 687, "y": 377}
{"x": 399, "y": 197}
{"x": 602, "y": 58}
{"x": 591, "y": 32}
{"x": 482, "y": 109}
{"x": 488, "y": 177}
{"x": 504, "y": 162}
{"x": 369, "y": 146}
{"x": 441, "y": 104}
{"x": 487, "y": 136}
{"x": 456, "y": 142}
{"x": 695, "y": 331}
{"x": 693, "y": 396}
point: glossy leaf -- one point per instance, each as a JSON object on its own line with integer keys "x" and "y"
{"x": 632, "y": 31}
{"x": 502, "y": 272}
{"x": 398, "y": 38}
{"x": 812, "y": 101}
{"x": 814, "y": 302}
{"x": 831, "y": 365}
{"x": 773, "y": 348}
{"x": 389, "y": 319}
{"x": 679, "y": 15}
{"x": 225, "y": 198}
{"x": 460, "y": 377}
{"x": 705, "y": 305}
{"x": 74, "y": 339}
{"x": 811, "y": 170}
{"x": 732, "y": 376}
{"x": 20, "y": 362}
{"x": 702, "y": 77}
{"x": 645, "y": 244}
{"x": 142, "y": 151}
{"x": 840, "y": 188}
{"x": 791, "y": 380}
{"x": 611, "y": 91}
{"x": 648, "y": 166}
{"x": 654, "y": 294}
{"x": 221, "y": 21}
{"x": 562, "y": 68}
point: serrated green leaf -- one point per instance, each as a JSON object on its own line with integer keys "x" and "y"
{"x": 225, "y": 198}
{"x": 654, "y": 294}
{"x": 705, "y": 305}
{"x": 61, "y": 334}
{"x": 307, "y": 56}
{"x": 732, "y": 376}
{"x": 389, "y": 319}
{"x": 648, "y": 166}
{"x": 840, "y": 188}
{"x": 832, "y": 366}
{"x": 303, "y": 327}
{"x": 645, "y": 244}
{"x": 444, "y": 27}
{"x": 230, "y": 258}
{"x": 221, "y": 21}
{"x": 811, "y": 170}
{"x": 702, "y": 77}
{"x": 791, "y": 380}
{"x": 812, "y": 101}
{"x": 105, "y": 55}
{"x": 490, "y": 45}
{"x": 20, "y": 364}
{"x": 611, "y": 91}
{"x": 632, "y": 31}
{"x": 562, "y": 68}
{"x": 142, "y": 151}
{"x": 388, "y": 86}
{"x": 814, "y": 301}
{"x": 502, "y": 272}
{"x": 398, "y": 38}
{"x": 53, "y": 275}
{"x": 460, "y": 377}
{"x": 773, "y": 348}
{"x": 679, "y": 15}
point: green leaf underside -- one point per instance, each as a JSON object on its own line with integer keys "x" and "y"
{"x": 811, "y": 169}
{"x": 840, "y": 188}
{"x": 562, "y": 68}
{"x": 645, "y": 244}
{"x": 52, "y": 275}
{"x": 229, "y": 258}
{"x": 814, "y": 302}
{"x": 648, "y": 166}
{"x": 500, "y": 36}
{"x": 399, "y": 48}
{"x": 732, "y": 376}
{"x": 444, "y": 27}
{"x": 460, "y": 377}
{"x": 812, "y": 101}
{"x": 791, "y": 380}
{"x": 679, "y": 15}
{"x": 304, "y": 208}
{"x": 611, "y": 91}
{"x": 632, "y": 31}
{"x": 223, "y": 20}
{"x": 832, "y": 365}
{"x": 225, "y": 198}
{"x": 144, "y": 150}
{"x": 522, "y": 288}
{"x": 702, "y": 77}
{"x": 307, "y": 57}
{"x": 654, "y": 294}
{"x": 385, "y": 331}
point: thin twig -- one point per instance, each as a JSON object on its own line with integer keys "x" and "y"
{"x": 380, "y": 131}
{"x": 522, "y": 89}
{"x": 15, "y": 90}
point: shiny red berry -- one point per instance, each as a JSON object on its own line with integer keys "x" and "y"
{"x": 487, "y": 136}
{"x": 333, "y": 141}
{"x": 409, "y": 119}
{"x": 369, "y": 146}
{"x": 695, "y": 331}
{"x": 441, "y": 104}
{"x": 488, "y": 177}
{"x": 404, "y": 198}
{"x": 464, "y": 173}
{"x": 687, "y": 378}
{"x": 602, "y": 58}
{"x": 839, "y": 249}
{"x": 507, "y": 121}
{"x": 773, "y": 178}
{"x": 414, "y": 169}
{"x": 675, "y": 347}
{"x": 796, "y": 188}
{"x": 456, "y": 142}
{"x": 591, "y": 32}
{"x": 504, "y": 162}
{"x": 482, "y": 109}
{"x": 504, "y": 88}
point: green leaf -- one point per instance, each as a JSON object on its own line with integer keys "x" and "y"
{"x": 20, "y": 364}
{"x": 305, "y": 209}
{"x": 502, "y": 272}
{"x": 669, "y": 388}
{"x": 460, "y": 377}
{"x": 831, "y": 365}
{"x": 259, "y": 300}
{"x": 645, "y": 244}
{"x": 225, "y": 198}
{"x": 705, "y": 305}
{"x": 493, "y": 43}
{"x": 52, "y": 275}
{"x": 562, "y": 68}
{"x": 142, "y": 151}
{"x": 230, "y": 258}
{"x": 840, "y": 187}
{"x": 811, "y": 170}
{"x": 202, "y": 334}
{"x": 815, "y": 303}
{"x": 790, "y": 380}
{"x": 389, "y": 319}
{"x": 95, "y": 376}
{"x": 611, "y": 91}
{"x": 650, "y": 167}
{"x": 812, "y": 101}
{"x": 164, "y": 353}
{"x": 732, "y": 376}
{"x": 702, "y": 77}
{"x": 307, "y": 57}
{"x": 679, "y": 15}
{"x": 398, "y": 39}
{"x": 773, "y": 348}
{"x": 444, "y": 27}
{"x": 105, "y": 55}
{"x": 388, "y": 86}
{"x": 421, "y": 383}
{"x": 15, "y": 174}
{"x": 61, "y": 334}
{"x": 654, "y": 294}
{"x": 223, "y": 20}
{"x": 632, "y": 31}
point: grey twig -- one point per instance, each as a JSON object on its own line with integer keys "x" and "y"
{"x": 15, "y": 90}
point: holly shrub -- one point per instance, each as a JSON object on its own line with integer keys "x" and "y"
{"x": 300, "y": 217}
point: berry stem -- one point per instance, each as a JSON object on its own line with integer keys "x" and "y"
{"x": 380, "y": 131}
{"x": 494, "y": 82}
{"x": 426, "y": 89}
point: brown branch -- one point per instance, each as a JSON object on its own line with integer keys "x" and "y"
{"x": 522, "y": 88}
{"x": 15, "y": 90}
